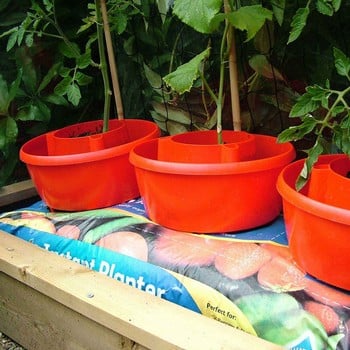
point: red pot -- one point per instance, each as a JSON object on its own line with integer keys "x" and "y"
{"x": 318, "y": 218}
{"x": 213, "y": 196}
{"x": 83, "y": 179}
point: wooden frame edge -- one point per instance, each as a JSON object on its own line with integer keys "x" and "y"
{"x": 17, "y": 192}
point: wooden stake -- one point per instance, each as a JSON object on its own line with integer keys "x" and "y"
{"x": 111, "y": 61}
{"x": 232, "y": 59}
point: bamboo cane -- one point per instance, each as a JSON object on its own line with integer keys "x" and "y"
{"x": 232, "y": 59}
{"x": 112, "y": 62}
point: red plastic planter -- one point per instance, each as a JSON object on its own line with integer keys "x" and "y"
{"x": 318, "y": 218}
{"x": 86, "y": 137}
{"x": 212, "y": 196}
{"x": 86, "y": 179}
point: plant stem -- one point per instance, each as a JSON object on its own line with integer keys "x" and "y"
{"x": 112, "y": 62}
{"x": 329, "y": 115}
{"x": 103, "y": 66}
{"x": 220, "y": 97}
{"x": 178, "y": 36}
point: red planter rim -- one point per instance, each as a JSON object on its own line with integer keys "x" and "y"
{"x": 34, "y": 152}
{"x": 285, "y": 186}
{"x": 284, "y": 155}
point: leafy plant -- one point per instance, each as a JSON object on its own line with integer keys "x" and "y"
{"x": 42, "y": 21}
{"x": 71, "y": 64}
{"x": 325, "y": 113}
{"x": 299, "y": 21}
{"x": 24, "y": 100}
{"x": 208, "y": 17}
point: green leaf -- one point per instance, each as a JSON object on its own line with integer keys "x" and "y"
{"x": 262, "y": 66}
{"x": 8, "y": 32}
{"x": 52, "y": 73}
{"x": 4, "y": 96}
{"x": 11, "y": 156}
{"x": 70, "y": 51}
{"x": 287, "y": 135}
{"x": 324, "y": 7}
{"x": 64, "y": 72}
{"x": 20, "y": 35}
{"x": 121, "y": 22}
{"x": 336, "y": 4}
{"x": 341, "y": 136}
{"x": 11, "y": 41}
{"x": 278, "y": 8}
{"x": 172, "y": 113}
{"x": 56, "y": 100}
{"x": 163, "y": 8}
{"x": 305, "y": 104}
{"x": 345, "y": 123}
{"x": 298, "y": 23}
{"x": 84, "y": 60}
{"x": 48, "y": 5}
{"x": 35, "y": 110}
{"x": 82, "y": 79}
{"x": 313, "y": 154}
{"x": 342, "y": 62}
{"x": 338, "y": 110}
{"x": 29, "y": 39}
{"x": 62, "y": 87}
{"x": 8, "y": 132}
{"x": 181, "y": 80}
{"x": 29, "y": 76}
{"x": 44, "y": 112}
{"x": 316, "y": 92}
{"x": 73, "y": 94}
{"x": 198, "y": 14}
{"x": 14, "y": 87}
{"x": 294, "y": 133}
{"x": 154, "y": 79}
{"x": 87, "y": 24}
{"x": 250, "y": 18}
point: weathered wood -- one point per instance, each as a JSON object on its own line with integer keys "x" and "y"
{"x": 46, "y": 297}
{"x": 39, "y": 322}
{"x": 17, "y": 192}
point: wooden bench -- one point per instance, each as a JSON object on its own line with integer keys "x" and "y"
{"x": 48, "y": 302}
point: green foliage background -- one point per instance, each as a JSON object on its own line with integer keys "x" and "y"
{"x": 289, "y": 53}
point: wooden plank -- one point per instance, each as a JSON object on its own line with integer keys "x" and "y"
{"x": 39, "y": 322}
{"x": 17, "y": 192}
{"x": 95, "y": 300}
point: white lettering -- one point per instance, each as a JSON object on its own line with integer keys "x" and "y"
{"x": 111, "y": 271}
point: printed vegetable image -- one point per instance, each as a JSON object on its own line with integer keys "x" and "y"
{"x": 108, "y": 226}
{"x": 69, "y": 231}
{"x": 299, "y": 326}
{"x": 176, "y": 248}
{"x": 241, "y": 259}
{"x": 208, "y": 275}
{"x": 127, "y": 243}
{"x": 327, "y": 295}
{"x": 280, "y": 319}
{"x": 281, "y": 275}
{"x": 257, "y": 281}
{"x": 39, "y": 223}
{"x": 279, "y": 250}
{"x": 328, "y": 317}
